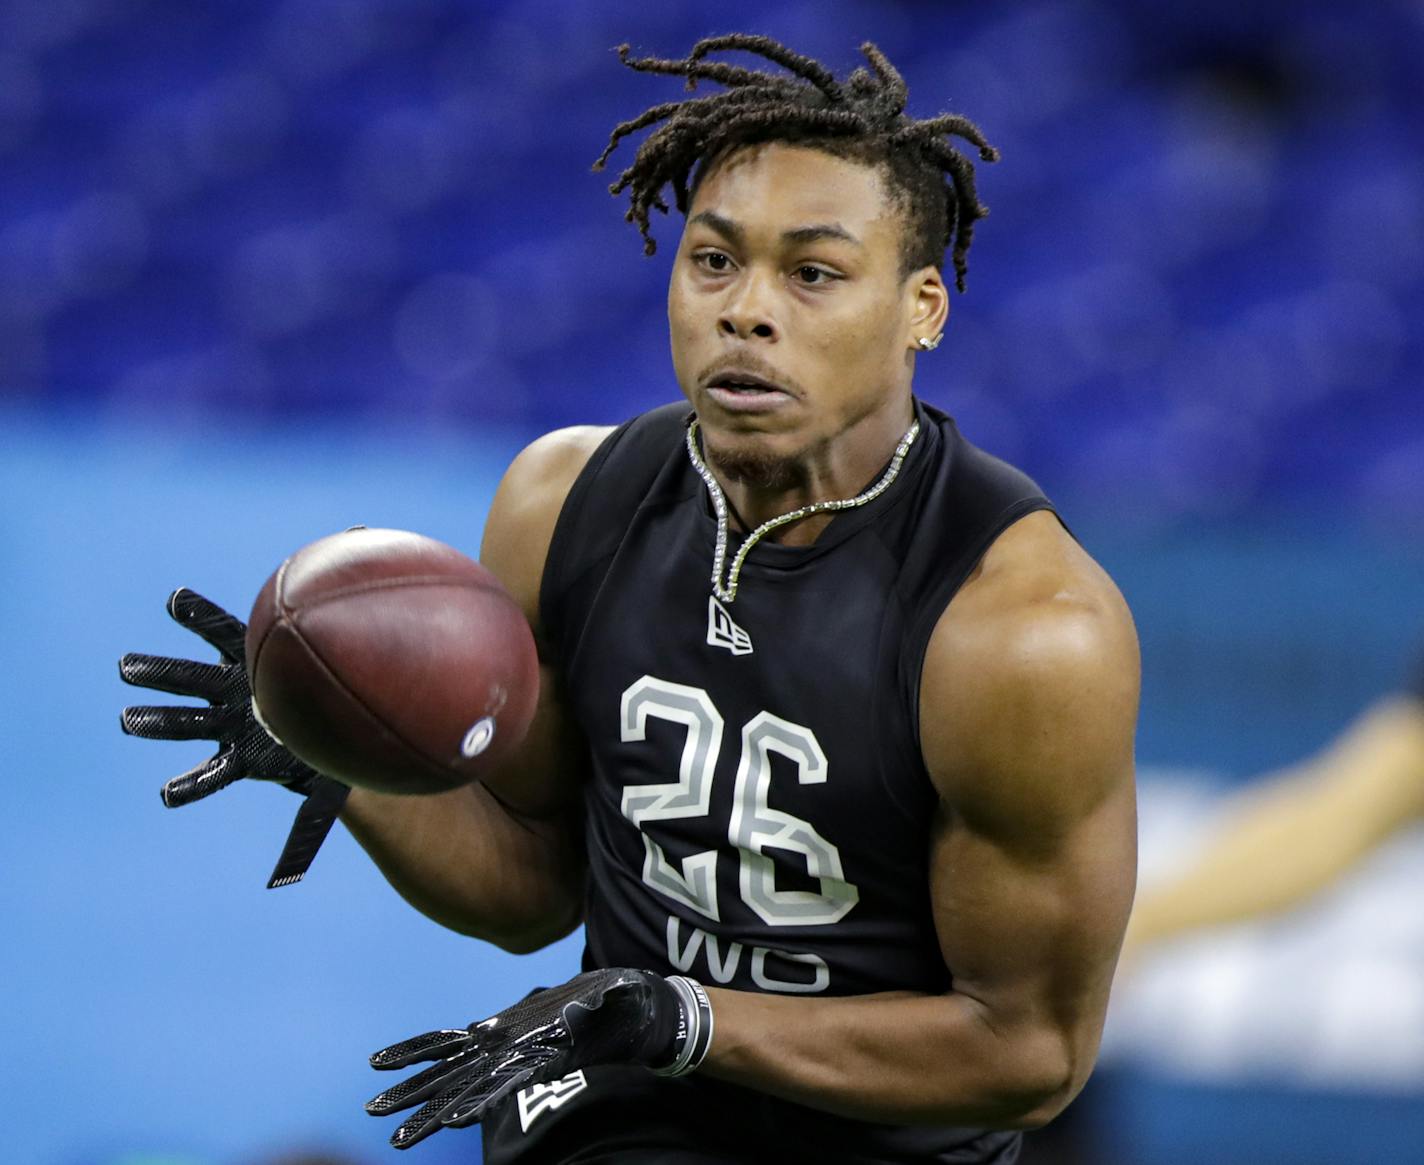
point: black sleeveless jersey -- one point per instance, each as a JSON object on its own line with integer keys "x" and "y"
{"x": 758, "y": 815}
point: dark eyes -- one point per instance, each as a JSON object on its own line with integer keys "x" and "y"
{"x": 719, "y": 262}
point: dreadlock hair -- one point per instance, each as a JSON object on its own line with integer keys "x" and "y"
{"x": 862, "y": 119}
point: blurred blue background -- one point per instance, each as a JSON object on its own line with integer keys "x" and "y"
{"x": 271, "y": 269}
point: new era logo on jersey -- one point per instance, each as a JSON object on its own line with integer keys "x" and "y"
{"x": 722, "y": 632}
{"x": 538, "y": 1099}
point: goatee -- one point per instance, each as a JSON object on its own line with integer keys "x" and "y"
{"x": 756, "y": 469}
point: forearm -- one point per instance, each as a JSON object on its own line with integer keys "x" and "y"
{"x": 896, "y": 1058}
{"x": 473, "y": 866}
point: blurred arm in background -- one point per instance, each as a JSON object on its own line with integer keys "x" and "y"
{"x": 1295, "y": 832}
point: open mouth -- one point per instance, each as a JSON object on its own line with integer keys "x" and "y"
{"x": 743, "y": 384}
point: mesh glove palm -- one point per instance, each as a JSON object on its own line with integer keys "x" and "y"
{"x": 245, "y": 748}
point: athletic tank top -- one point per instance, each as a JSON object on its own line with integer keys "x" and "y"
{"x": 758, "y": 815}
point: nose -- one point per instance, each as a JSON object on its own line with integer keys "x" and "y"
{"x": 747, "y": 312}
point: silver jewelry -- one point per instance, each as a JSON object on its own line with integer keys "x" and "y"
{"x": 928, "y": 345}
{"x": 696, "y": 1028}
{"x": 728, "y": 593}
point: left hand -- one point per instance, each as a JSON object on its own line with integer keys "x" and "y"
{"x": 617, "y": 1016}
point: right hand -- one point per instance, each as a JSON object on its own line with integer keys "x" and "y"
{"x": 610, "y": 1016}
{"x": 245, "y": 748}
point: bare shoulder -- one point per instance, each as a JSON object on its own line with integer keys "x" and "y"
{"x": 526, "y": 507}
{"x": 1029, "y": 694}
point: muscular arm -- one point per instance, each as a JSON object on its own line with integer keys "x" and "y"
{"x": 1028, "y": 705}
{"x": 1291, "y": 835}
{"x": 501, "y": 860}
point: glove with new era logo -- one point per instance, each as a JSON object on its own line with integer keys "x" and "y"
{"x": 618, "y": 1016}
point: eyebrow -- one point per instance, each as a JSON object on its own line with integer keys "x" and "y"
{"x": 819, "y": 231}
{"x": 807, "y": 234}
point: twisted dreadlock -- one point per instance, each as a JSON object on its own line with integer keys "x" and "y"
{"x": 862, "y": 118}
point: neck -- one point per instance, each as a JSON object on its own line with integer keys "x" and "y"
{"x": 832, "y": 470}
{"x": 724, "y": 586}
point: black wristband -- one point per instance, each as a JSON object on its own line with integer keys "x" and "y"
{"x": 693, "y": 1038}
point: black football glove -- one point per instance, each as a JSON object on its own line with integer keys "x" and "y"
{"x": 245, "y": 748}
{"x": 615, "y": 1016}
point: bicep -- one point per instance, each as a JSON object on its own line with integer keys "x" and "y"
{"x": 543, "y": 778}
{"x": 1034, "y": 852}
{"x": 1031, "y": 932}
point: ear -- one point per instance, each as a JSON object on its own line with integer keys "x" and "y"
{"x": 927, "y": 304}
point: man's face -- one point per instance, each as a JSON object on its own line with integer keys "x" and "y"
{"x": 791, "y": 326}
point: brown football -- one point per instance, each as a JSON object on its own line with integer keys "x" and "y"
{"x": 391, "y": 661}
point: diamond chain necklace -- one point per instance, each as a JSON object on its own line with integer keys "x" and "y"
{"x": 728, "y": 593}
